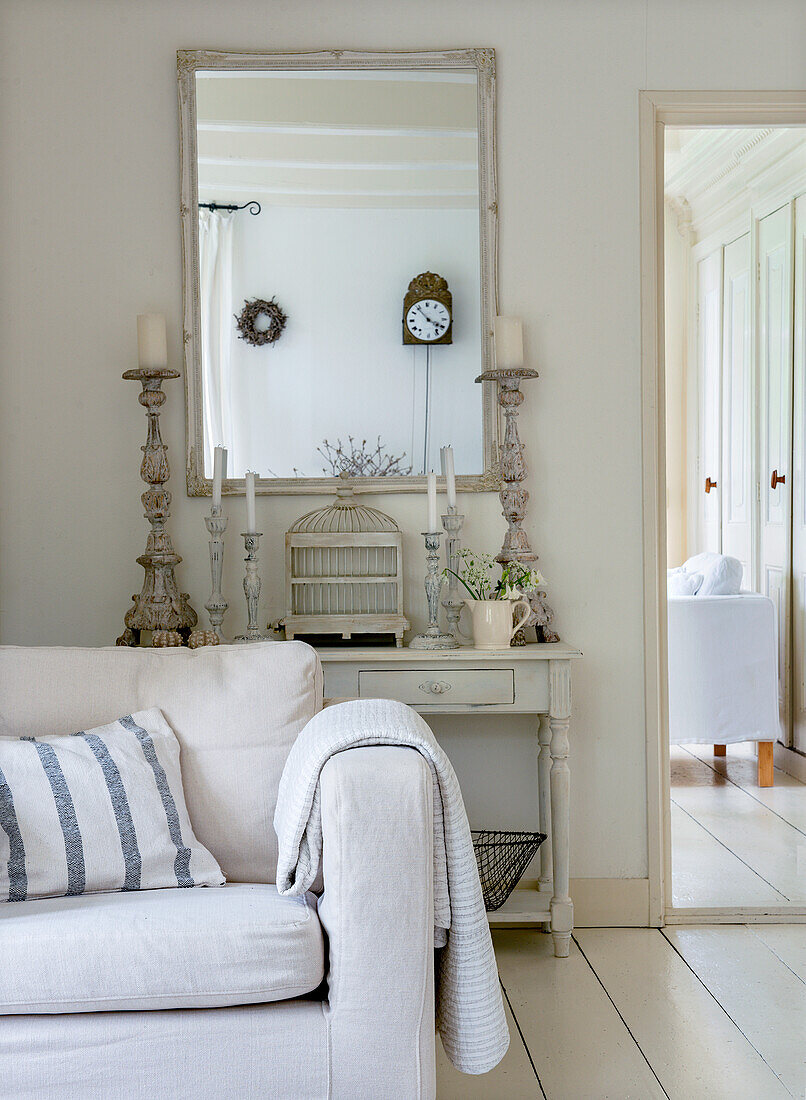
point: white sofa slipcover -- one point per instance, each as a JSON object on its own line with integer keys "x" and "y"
{"x": 723, "y": 674}
{"x": 236, "y": 710}
{"x": 197, "y": 948}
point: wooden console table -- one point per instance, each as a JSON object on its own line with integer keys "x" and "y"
{"x": 531, "y": 679}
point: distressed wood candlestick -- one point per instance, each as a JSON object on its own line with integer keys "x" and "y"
{"x": 514, "y": 498}
{"x": 216, "y": 605}
{"x": 160, "y": 605}
{"x": 453, "y": 603}
{"x": 433, "y": 638}
{"x": 251, "y": 588}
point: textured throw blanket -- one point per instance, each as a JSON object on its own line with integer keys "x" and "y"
{"x": 470, "y": 1012}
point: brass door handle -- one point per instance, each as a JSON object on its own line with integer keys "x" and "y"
{"x": 776, "y": 480}
{"x": 709, "y": 485}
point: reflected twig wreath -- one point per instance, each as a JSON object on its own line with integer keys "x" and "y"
{"x": 259, "y": 307}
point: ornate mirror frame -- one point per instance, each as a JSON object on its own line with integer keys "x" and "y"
{"x": 189, "y": 62}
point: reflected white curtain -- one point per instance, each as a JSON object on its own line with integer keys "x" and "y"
{"x": 216, "y": 229}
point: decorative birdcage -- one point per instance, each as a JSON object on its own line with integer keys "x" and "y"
{"x": 344, "y": 571}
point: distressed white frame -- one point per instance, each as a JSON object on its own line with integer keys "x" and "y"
{"x": 188, "y": 63}
{"x": 658, "y": 109}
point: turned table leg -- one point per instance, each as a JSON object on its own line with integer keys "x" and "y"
{"x": 562, "y": 909}
{"x": 545, "y": 882}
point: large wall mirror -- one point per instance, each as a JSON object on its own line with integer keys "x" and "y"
{"x": 323, "y": 187}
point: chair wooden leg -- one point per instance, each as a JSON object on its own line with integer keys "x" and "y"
{"x": 720, "y": 750}
{"x": 765, "y": 763}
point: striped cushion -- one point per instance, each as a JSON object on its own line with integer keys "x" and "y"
{"x": 97, "y": 811}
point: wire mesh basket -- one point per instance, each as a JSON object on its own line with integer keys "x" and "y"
{"x": 502, "y": 858}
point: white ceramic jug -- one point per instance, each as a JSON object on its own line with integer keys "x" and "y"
{"x": 493, "y": 626}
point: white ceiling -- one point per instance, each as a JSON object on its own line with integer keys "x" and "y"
{"x": 338, "y": 138}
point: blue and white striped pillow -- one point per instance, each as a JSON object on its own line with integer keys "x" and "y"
{"x": 97, "y": 811}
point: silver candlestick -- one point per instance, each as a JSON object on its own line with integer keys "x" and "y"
{"x": 251, "y": 588}
{"x": 433, "y": 637}
{"x": 453, "y": 604}
{"x": 216, "y": 605}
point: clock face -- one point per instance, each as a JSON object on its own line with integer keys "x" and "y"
{"x": 428, "y": 320}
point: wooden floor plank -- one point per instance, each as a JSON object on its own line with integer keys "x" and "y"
{"x": 691, "y": 1044}
{"x": 581, "y": 1047}
{"x": 512, "y": 1079}
{"x": 705, "y": 873}
{"x": 787, "y": 797}
{"x": 788, "y": 942}
{"x": 761, "y": 994}
{"x": 772, "y": 847}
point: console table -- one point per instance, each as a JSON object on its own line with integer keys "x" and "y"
{"x": 532, "y": 679}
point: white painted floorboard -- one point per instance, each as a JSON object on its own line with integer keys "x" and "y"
{"x": 579, "y": 1044}
{"x": 765, "y": 999}
{"x": 692, "y": 1045}
{"x": 759, "y": 828}
{"x": 701, "y": 1013}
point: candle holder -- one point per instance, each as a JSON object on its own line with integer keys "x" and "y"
{"x": 433, "y": 637}
{"x": 216, "y": 605}
{"x": 453, "y": 604}
{"x": 251, "y": 588}
{"x": 514, "y": 498}
{"x": 159, "y": 605}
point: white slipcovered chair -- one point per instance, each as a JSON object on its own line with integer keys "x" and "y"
{"x": 237, "y": 991}
{"x": 723, "y": 669}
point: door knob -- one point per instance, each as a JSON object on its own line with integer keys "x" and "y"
{"x": 776, "y": 480}
{"x": 709, "y": 485}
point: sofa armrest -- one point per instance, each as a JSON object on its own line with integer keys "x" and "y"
{"x": 377, "y": 910}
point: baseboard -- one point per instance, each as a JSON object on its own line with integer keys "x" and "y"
{"x": 608, "y": 902}
{"x": 791, "y": 762}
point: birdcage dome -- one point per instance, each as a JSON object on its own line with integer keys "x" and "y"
{"x": 346, "y": 515}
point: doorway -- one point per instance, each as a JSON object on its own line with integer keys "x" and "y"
{"x": 723, "y": 294}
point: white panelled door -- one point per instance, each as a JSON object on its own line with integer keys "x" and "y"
{"x": 775, "y": 427}
{"x": 709, "y": 355}
{"x": 737, "y": 482}
{"x": 799, "y": 488}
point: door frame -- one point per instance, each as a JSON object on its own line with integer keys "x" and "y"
{"x": 658, "y": 109}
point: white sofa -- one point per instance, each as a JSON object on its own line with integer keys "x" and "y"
{"x": 235, "y": 992}
{"x": 723, "y": 670}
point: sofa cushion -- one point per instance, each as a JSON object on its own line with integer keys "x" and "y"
{"x": 97, "y": 811}
{"x": 156, "y": 949}
{"x": 681, "y": 583}
{"x": 236, "y": 711}
{"x": 722, "y": 574}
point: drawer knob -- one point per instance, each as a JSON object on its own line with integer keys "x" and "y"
{"x": 435, "y": 687}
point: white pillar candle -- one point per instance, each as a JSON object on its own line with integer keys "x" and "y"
{"x": 219, "y": 473}
{"x": 152, "y": 342}
{"x": 508, "y": 333}
{"x": 432, "y": 502}
{"x": 251, "y": 526}
{"x": 446, "y": 454}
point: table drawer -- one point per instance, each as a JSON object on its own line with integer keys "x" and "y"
{"x": 460, "y": 686}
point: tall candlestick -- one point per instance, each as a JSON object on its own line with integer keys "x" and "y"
{"x": 508, "y": 333}
{"x": 446, "y": 455}
{"x": 152, "y": 342}
{"x": 251, "y": 526}
{"x": 432, "y": 501}
{"x": 219, "y": 473}
{"x": 433, "y": 638}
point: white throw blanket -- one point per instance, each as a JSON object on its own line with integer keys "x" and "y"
{"x": 470, "y": 1011}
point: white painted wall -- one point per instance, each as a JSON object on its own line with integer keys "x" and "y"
{"x": 340, "y": 367}
{"x": 90, "y": 230}
{"x": 676, "y": 262}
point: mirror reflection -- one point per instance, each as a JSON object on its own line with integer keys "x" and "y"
{"x": 340, "y": 302}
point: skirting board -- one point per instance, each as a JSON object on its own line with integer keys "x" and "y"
{"x": 791, "y": 762}
{"x": 606, "y": 902}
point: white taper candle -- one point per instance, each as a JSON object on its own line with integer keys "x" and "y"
{"x": 219, "y": 473}
{"x": 251, "y": 526}
{"x": 508, "y": 332}
{"x": 449, "y": 473}
{"x": 432, "y": 501}
{"x": 152, "y": 341}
